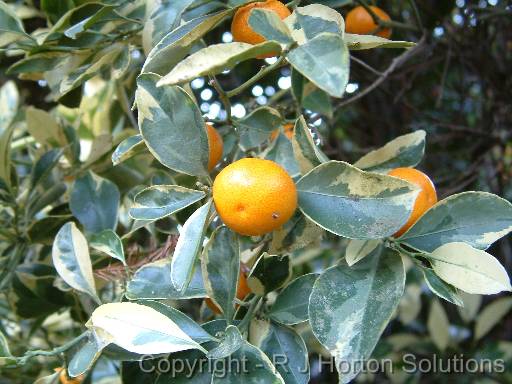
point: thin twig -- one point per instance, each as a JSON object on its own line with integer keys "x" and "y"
{"x": 365, "y": 65}
{"x": 222, "y": 96}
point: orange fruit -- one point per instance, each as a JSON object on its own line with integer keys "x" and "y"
{"x": 254, "y": 196}
{"x": 360, "y": 21}
{"x": 242, "y": 290}
{"x": 216, "y": 145}
{"x": 242, "y": 31}
{"x": 65, "y": 379}
{"x": 426, "y": 198}
{"x": 287, "y": 130}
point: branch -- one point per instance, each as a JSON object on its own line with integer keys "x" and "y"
{"x": 395, "y": 64}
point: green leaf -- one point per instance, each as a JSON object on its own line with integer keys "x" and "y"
{"x": 285, "y": 348}
{"x": 491, "y": 315}
{"x": 128, "y": 148}
{"x": 258, "y": 368}
{"x": 188, "y": 247}
{"x": 291, "y": 305}
{"x": 231, "y": 343}
{"x": 325, "y": 61}
{"x": 176, "y": 45}
{"x": 442, "y": 289}
{"x": 139, "y": 329}
{"x": 11, "y": 27}
{"x": 305, "y": 23}
{"x": 355, "y": 204}
{"x": 160, "y": 201}
{"x": 5, "y": 155}
{"x": 404, "y": 151}
{"x": 215, "y": 59}
{"x": 85, "y": 357}
{"x": 101, "y": 15}
{"x": 153, "y": 281}
{"x": 438, "y": 325}
{"x": 358, "y": 42}
{"x": 94, "y": 201}
{"x": 268, "y": 24}
{"x": 476, "y": 218}
{"x": 469, "y": 269}
{"x": 281, "y": 152}
{"x": 43, "y": 167}
{"x": 306, "y": 152}
{"x": 43, "y": 128}
{"x": 185, "y": 323}
{"x": 6, "y": 358}
{"x": 298, "y": 233}
{"x": 350, "y": 307}
{"x": 70, "y": 254}
{"x": 9, "y": 103}
{"x": 269, "y": 273}
{"x": 171, "y": 124}
{"x": 108, "y": 242}
{"x": 359, "y": 249}
{"x": 165, "y": 18}
{"x": 221, "y": 269}
{"x": 257, "y": 126}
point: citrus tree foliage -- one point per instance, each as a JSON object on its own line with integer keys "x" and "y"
{"x": 110, "y": 245}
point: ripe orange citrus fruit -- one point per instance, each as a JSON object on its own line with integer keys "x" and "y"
{"x": 65, "y": 379}
{"x": 360, "y": 21}
{"x": 254, "y": 196}
{"x": 216, "y": 145}
{"x": 287, "y": 130}
{"x": 242, "y": 31}
{"x": 426, "y": 198}
{"x": 242, "y": 290}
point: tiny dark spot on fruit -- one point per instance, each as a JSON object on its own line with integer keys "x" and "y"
{"x": 275, "y": 215}
{"x": 240, "y": 208}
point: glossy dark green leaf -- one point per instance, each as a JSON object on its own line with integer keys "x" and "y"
{"x": 442, "y": 289}
{"x": 11, "y": 27}
{"x": 153, "y": 281}
{"x": 268, "y": 24}
{"x": 164, "y": 19}
{"x": 215, "y": 59}
{"x": 355, "y": 204}
{"x": 404, "y": 151}
{"x": 281, "y": 152}
{"x": 70, "y": 255}
{"x": 350, "y": 307}
{"x": 128, "y": 148}
{"x": 299, "y": 232}
{"x": 44, "y": 166}
{"x": 221, "y": 267}
{"x": 269, "y": 273}
{"x": 476, "y": 218}
{"x": 291, "y": 305}
{"x": 171, "y": 124}
{"x": 176, "y": 44}
{"x": 230, "y": 343}
{"x": 258, "y": 368}
{"x": 160, "y": 201}
{"x": 101, "y": 15}
{"x": 257, "y": 126}
{"x": 306, "y": 152}
{"x": 85, "y": 357}
{"x": 44, "y": 230}
{"x": 310, "y": 21}
{"x": 188, "y": 247}
{"x": 94, "y": 201}
{"x": 285, "y": 348}
{"x": 325, "y": 61}
{"x": 108, "y": 242}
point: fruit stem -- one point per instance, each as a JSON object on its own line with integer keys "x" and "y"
{"x": 224, "y": 98}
